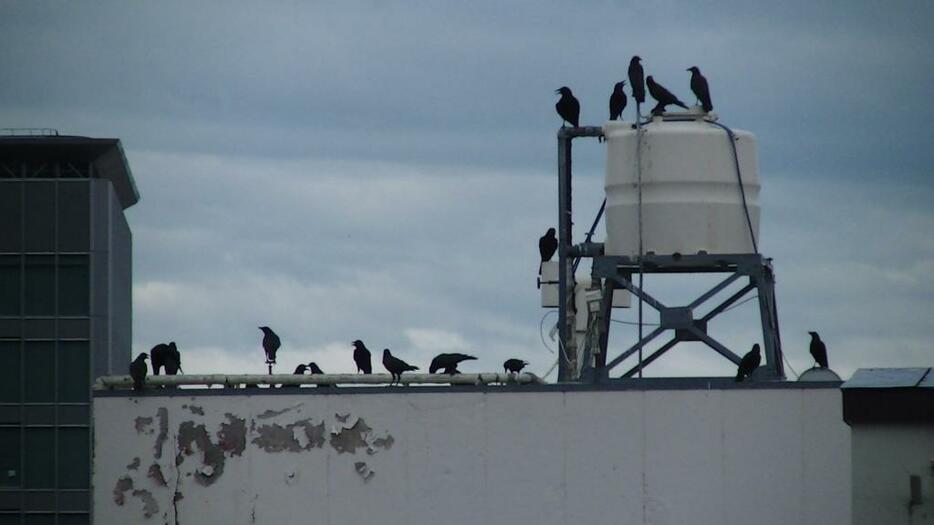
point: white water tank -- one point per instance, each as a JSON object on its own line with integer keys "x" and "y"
{"x": 691, "y": 199}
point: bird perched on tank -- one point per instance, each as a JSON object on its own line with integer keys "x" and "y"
{"x": 568, "y": 107}
{"x": 662, "y": 95}
{"x": 617, "y": 101}
{"x": 447, "y": 363}
{"x": 165, "y": 355}
{"x": 700, "y": 89}
{"x": 361, "y": 356}
{"x": 818, "y": 350}
{"x": 271, "y": 344}
{"x": 547, "y": 246}
{"x": 514, "y": 365}
{"x": 637, "y": 79}
{"x": 138, "y": 371}
{"x": 748, "y": 363}
{"x": 395, "y": 366}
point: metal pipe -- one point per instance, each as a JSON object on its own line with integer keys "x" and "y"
{"x": 125, "y": 381}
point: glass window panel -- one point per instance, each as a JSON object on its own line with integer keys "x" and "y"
{"x": 39, "y": 519}
{"x": 39, "y": 459}
{"x": 10, "y": 519}
{"x": 74, "y": 371}
{"x": 73, "y": 519}
{"x": 39, "y": 373}
{"x": 39, "y": 289}
{"x": 74, "y": 296}
{"x": 10, "y": 475}
{"x": 9, "y": 371}
{"x": 40, "y": 216}
{"x": 11, "y": 216}
{"x": 74, "y": 463}
{"x": 10, "y": 276}
{"x": 73, "y": 415}
{"x": 39, "y": 415}
{"x": 9, "y": 500}
{"x": 74, "y": 223}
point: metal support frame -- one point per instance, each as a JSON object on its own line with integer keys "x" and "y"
{"x": 567, "y": 351}
{"x": 617, "y": 272}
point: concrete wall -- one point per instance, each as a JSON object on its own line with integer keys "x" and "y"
{"x": 884, "y": 457}
{"x": 736, "y": 456}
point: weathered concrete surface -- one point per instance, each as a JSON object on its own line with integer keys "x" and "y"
{"x": 651, "y": 457}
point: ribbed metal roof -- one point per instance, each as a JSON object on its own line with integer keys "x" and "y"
{"x": 891, "y": 378}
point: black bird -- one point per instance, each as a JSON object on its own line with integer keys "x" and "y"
{"x": 395, "y": 366}
{"x": 568, "y": 107}
{"x": 547, "y": 246}
{"x": 447, "y": 363}
{"x": 299, "y": 371}
{"x": 637, "y": 80}
{"x": 662, "y": 95}
{"x": 617, "y": 101}
{"x": 818, "y": 350}
{"x": 514, "y": 365}
{"x": 315, "y": 369}
{"x": 166, "y": 355}
{"x": 748, "y": 363}
{"x": 361, "y": 356}
{"x": 700, "y": 89}
{"x": 271, "y": 343}
{"x": 138, "y": 371}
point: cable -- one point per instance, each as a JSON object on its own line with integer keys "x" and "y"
{"x": 739, "y": 178}
{"x": 541, "y": 330}
{"x": 641, "y": 247}
{"x": 789, "y": 366}
{"x": 632, "y": 323}
{"x": 746, "y": 300}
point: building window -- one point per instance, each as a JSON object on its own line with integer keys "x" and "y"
{"x": 74, "y": 370}
{"x": 74, "y": 458}
{"x": 74, "y": 224}
{"x": 10, "y": 277}
{"x": 39, "y": 361}
{"x": 9, "y": 372}
{"x": 39, "y": 289}
{"x": 40, "y": 216}
{"x": 9, "y": 457}
{"x": 74, "y": 295}
{"x": 39, "y": 460}
{"x": 11, "y": 217}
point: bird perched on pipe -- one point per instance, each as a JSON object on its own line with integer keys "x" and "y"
{"x": 165, "y": 355}
{"x": 271, "y": 344}
{"x": 818, "y": 350}
{"x": 748, "y": 363}
{"x": 299, "y": 371}
{"x": 637, "y": 79}
{"x": 662, "y": 95}
{"x": 447, "y": 363}
{"x": 362, "y": 357}
{"x": 568, "y": 107}
{"x": 617, "y": 101}
{"x": 395, "y": 366}
{"x": 700, "y": 89}
{"x": 547, "y": 246}
{"x": 138, "y": 371}
{"x": 315, "y": 369}
{"x": 514, "y": 365}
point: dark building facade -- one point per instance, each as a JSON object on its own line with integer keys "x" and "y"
{"x": 65, "y": 315}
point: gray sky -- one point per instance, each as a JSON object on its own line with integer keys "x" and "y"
{"x": 382, "y": 171}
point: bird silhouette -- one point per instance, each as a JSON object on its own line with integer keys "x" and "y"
{"x": 447, "y": 363}
{"x": 167, "y": 356}
{"x": 315, "y": 369}
{"x": 361, "y": 356}
{"x": 395, "y": 366}
{"x": 514, "y": 365}
{"x": 662, "y": 95}
{"x": 568, "y": 107}
{"x": 617, "y": 101}
{"x": 748, "y": 363}
{"x": 299, "y": 371}
{"x": 637, "y": 79}
{"x": 818, "y": 350}
{"x": 700, "y": 89}
{"x": 547, "y": 246}
{"x": 138, "y": 371}
{"x": 271, "y": 344}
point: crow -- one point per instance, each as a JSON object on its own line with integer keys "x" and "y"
{"x": 315, "y": 369}
{"x": 748, "y": 363}
{"x": 700, "y": 89}
{"x": 166, "y": 355}
{"x": 568, "y": 107}
{"x": 547, "y": 246}
{"x": 636, "y": 80}
{"x": 662, "y": 95}
{"x": 448, "y": 363}
{"x": 138, "y": 371}
{"x": 395, "y": 366}
{"x": 271, "y": 343}
{"x": 514, "y": 365}
{"x": 361, "y": 356}
{"x": 299, "y": 371}
{"x": 818, "y": 350}
{"x": 617, "y": 101}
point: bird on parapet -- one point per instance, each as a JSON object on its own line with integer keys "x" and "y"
{"x": 447, "y": 363}
{"x": 617, "y": 101}
{"x": 514, "y": 365}
{"x": 568, "y": 107}
{"x": 700, "y": 89}
{"x": 362, "y": 357}
{"x": 138, "y": 371}
{"x": 818, "y": 350}
{"x": 271, "y": 344}
{"x": 165, "y": 355}
{"x": 662, "y": 95}
{"x": 748, "y": 363}
{"x": 395, "y": 366}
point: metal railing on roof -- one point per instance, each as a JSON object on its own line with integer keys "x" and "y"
{"x": 29, "y": 132}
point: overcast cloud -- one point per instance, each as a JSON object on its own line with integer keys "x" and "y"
{"x": 377, "y": 170}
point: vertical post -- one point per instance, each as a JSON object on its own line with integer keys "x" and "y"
{"x": 567, "y": 348}
{"x": 765, "y": 289}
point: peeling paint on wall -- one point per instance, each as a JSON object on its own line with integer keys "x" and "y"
{"x": 232, "y": 435}
{"x": 134, "y": 464}
{"x": 273, "y": 413}
{"x": 150, "y": 505}
{"x": 142, "y": 424}
{"x": 277, "y": 438}
{"x": 155, "y": 474}
{"x": 163, "y": 415}
{"x": 195, "y": 409}
{"x": 364, "y": 471}
{"x": 123, "y": 484}
{"x": 212, "y": 456}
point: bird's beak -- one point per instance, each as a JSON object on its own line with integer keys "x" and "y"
{"x": 557, "y": 91}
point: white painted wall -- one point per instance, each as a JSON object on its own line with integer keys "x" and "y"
{"x": 652, "y": 457}
{"x": 884, "y": 456}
